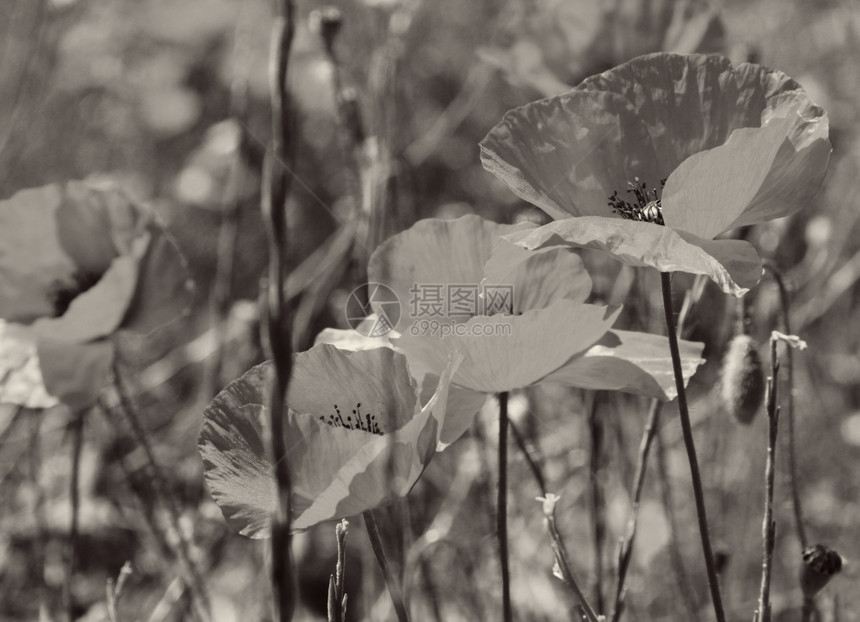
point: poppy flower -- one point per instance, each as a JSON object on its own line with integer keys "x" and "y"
{"x": 542, "y": 332}
{"x": 78, "y": 263}
{"x": 684, "y": 141}
{"x": 357, "y": 436}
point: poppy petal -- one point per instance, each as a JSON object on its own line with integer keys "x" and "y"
{"x": 759, "y": 174}
{"x": 503, "y": 353}
{"x": 734, "y": 265}
{"x": 75, "y": 373}
{"x": 434, "y": 253}
{"x": 632, "y": 362}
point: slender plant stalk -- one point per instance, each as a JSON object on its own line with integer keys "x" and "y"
{"x": 530, "y": 459}
{"x": 768, "y": 527}
{"x": 686, "y": 428}
{"x": 336, "y": 587}
{"x": 626, "y": 546}
{"x": 502, "y": 508}
{"x": 75, "y": 496}
{"x": 562, "y": 560}
{"x": 276, "y": 187}
{"x": 598, "y": 516}
{"x": 789, "y": 359}
{"x": 390, "y": 579}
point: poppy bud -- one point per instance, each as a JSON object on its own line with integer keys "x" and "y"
{"x": 820, "y": 564}
{"x": 742, "y": 385}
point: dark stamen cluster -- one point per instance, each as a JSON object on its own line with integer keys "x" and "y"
{"x": 61, "y": 294}
{"x": 647, "y": 207}
{"x": 355, "y": 421}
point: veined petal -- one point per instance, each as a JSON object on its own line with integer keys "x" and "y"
{"x": 538, "y": 278}
{"x": 632, "y": 362}
{"x": 503, "y": 353}
{"x": 433, "y": 253}
{"x": 734, "y": 265}
{"x": 567, "y": 154}
{"x": 759, "y": 174}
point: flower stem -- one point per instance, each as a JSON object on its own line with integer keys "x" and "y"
{"x": 75, "y": 495}
{"x": 336, "y": 609}
{"x": 598, "y": 517}
{"x": 768, "y": 527}
{"x": 390, "y": 580}
{"x": 502, "y": 508}
{"x": 792, "y": 458}
{"x": 686, "y": 428}
{"x": 626, "y": 548}
{"x": 586, "y": 610}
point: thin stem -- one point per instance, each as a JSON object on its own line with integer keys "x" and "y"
{"x": 75, "y": 495}
{"x": 387, "y": 574}
{"x": 275, "y": 190}
{"x": 808, "y": 611}
{"x": 626, "y": 548}
{"x": 686, "y": 428}
{"x": 598, "y": 517}
{"x": 158, "y": 481}
{"x": 502, "y": 508}
{"x": 530, "y": 460}
{"x": 562, "y": 561}
{"x": 792, "y": 457}
{"x": 336, "y": 587}
{"x": 768, "y": 527}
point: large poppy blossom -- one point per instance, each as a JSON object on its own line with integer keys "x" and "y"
{"x": 358, "y": 436}
{"x": 79, "y": 262}
{"x": 734, "y": 146}
{"x": 543, "y": 332}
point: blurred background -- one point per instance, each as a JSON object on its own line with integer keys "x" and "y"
{"x": 390, "y": 99}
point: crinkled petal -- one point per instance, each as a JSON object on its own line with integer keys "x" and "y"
{"x": 567, "y": 154}
{"x": 421, "y": 262}
{"x": 538, "y": 278}
{"x": 336, "y": 471}
{"x": 759, "y": 174}
{"x": 75, "y": 373}
{"x": 632, "y": 362}
{"x": 734, "y": 265}
{"x": 503, "y": 353}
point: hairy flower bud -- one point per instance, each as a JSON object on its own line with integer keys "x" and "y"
{"x": 820, "y": 564}
{"x": 742, "y": 380}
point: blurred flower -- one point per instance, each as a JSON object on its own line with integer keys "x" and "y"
{"x": 820, "y": 564}
{"x": 734, "y": 146}
{"x": 742, "y": 383}
{"x": 78, "y": 263}
{"x": 357, "y": 437}
{"x": 541, "y": 332}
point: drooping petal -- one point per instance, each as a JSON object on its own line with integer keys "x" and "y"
{"x": 734, "y": 265}
{"x": 21, "y": 379}
{"x": 100, "y": 310}
{"x": 430, "y": 255}
{"x": 759, "y": 174}
{"x": 632, "y": 362}
{"x": 75, "y": 373}
{"x": 538, "y": 278}
{"x": 503, "y": 353}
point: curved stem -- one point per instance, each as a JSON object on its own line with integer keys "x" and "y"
{"x": 686, "y": 428}
{"x": 382, "y": 560}
{"x": 502, "y": 509}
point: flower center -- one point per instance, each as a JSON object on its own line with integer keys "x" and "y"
{"x": 355, "y": 421}
{"x": 62, "y": 293}
{"x": 647, "y": 206}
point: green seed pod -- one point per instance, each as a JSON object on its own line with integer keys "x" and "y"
{"x": 820, "y": 564}
{"x": 742, "y": 382}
